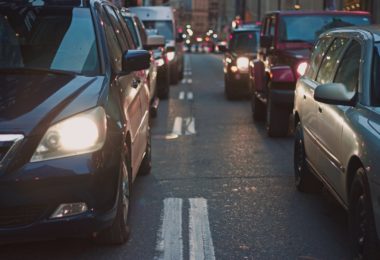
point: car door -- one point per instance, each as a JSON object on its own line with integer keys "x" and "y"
{"x": 130, "y": 90}
{"x": 326, "y": 75}
{"x": 308, "y": 107}
{"x": 332, "y": 117}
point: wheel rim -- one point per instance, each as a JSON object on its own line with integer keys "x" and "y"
{"x": 360, "y": 225}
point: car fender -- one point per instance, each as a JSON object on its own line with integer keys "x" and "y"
{"x": 282, "y": 74}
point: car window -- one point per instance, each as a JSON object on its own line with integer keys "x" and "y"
{"x": 272, "y": 28}
{"x": 376, "y": 76}
{"x": 348, "y": 70}
{"x": 114, "y": 48}
{"x": 244, "y": 41}
{"x": 126, "y": 31}
{"x": 132, "y": 28}
{"x": 117, "y": 28}
{"x": 331, "y": 60}
{"x": 316, "y": 56}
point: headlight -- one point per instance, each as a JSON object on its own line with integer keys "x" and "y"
{"x": 160, "y": 62}
{"x": 82, "y": 133}
{"x": 170, "y": 55}
{"x": 301, "y": 68}
{"x": 242, "y": 64}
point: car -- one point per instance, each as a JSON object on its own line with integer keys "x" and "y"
{"x": 337, "y": 129}
{"x": 162, "y": 19}
{"x": 243, "y": 46}
{"x": 74, "y": 121}
{"x": 284, "y": 51}
{"x": 148, "y": 42}
{"x": 163, "y": 76}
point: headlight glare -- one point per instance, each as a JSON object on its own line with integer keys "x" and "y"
{"x": 301, "y": 68}
{"x": 170, "y": 55}
{"x": 242, "y": 64}
{"x": 82, "y": 133}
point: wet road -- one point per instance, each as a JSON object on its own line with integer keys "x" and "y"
{"x": 219, "y": 189}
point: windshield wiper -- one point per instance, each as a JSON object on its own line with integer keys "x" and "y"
{"x": 10, "y": 70}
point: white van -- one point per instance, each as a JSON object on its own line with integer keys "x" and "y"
{"x": 161, "y": 18}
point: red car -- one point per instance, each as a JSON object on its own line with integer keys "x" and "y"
{"x": 286, "y": 40}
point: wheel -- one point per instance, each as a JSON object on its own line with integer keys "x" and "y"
{"x": 305, "y": 180}
{"x": 146, "y": 164}
{"x": 258, "y": 108}
{"x": 118, "y": 232}
{"x": 361, "y": 221}
{"x": 276, "y": 119}
{"x": 164, "y": 89}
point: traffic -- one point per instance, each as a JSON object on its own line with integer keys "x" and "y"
{"x": 121, "y": 127}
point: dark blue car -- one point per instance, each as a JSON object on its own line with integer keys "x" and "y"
{"x": 74, "y": 120}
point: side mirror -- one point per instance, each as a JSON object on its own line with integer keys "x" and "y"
{"x": 154, "y": 42}
{"x": 334, "y": 94}
{"x": 134, "y": 60}
{"x": 266, "y": 41}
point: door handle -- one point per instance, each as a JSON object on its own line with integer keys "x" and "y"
{"x": 135, "y": 83}
{"x": 320, "y": 109}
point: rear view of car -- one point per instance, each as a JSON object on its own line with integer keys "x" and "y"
{"x": 243, "y": 47}
{"x": 161, "y": 18}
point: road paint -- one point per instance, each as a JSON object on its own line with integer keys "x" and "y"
{"x": 181, "y": 95}
{"x": 190, "y": 126}
{"x": 169, "y": 244}
{"x": 177, "y": 127}
{"x": 183, "y": 81}
{"x": 200, "y": 240}
{"x": 190, "y": 96}
{"x": 189, "y": 81}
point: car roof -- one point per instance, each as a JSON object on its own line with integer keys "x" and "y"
{"x": 319, "y": 13}
{"x": 374, "y": 30}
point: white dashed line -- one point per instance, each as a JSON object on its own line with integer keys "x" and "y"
{"x": 190, "y": 96}
{"x": 181, "y": 95}
{"x": 190, "y": 126}
{"x": 189, "y": 81}
{"x": 177, "y": 127}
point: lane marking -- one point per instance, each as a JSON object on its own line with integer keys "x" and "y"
{"x": 200, "y": 240}
{"x": 189, "y": 81}
{"x": 183, "y": 81}
{"x": 177, "y": 127}
{"x": 190, "y": 96}
{"x": 181, "y": 95}
{"x": 190, "y": 126}
{"x": 169, "y": 244}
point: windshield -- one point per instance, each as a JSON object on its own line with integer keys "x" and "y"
{"x": 48, "y": 38}
{"x": 293, "y": 29}
{"x": 245, "y": 41}
{"x": 376, "y": 75}
{"x": 164, "y": 28}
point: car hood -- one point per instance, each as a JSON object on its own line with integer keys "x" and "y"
{"x": 298, "y": 53}
{"x": 29, "y": 103}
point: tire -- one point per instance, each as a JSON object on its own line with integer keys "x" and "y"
{"x": 363, "y": 235}
{"x": 146, "y": 164}
{"x": 258, "y": 108}
{"x": 118, "y": 232}
{"x": 277, "y": 119}
{"x": 164, "y": 89}
{"x": 305, "y": 180}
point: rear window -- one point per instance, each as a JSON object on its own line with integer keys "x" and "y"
{"x": 244, "y": 41}
{"x": 302, "y": 28}
{"x": 164, "y": 28}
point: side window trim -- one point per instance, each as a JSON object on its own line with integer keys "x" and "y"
{"x": 331, "y": 40}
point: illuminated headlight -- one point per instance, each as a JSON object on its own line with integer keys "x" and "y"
{"x": 70, "y": 209}
{"x": 301, "y": 68}
{"x": 242, "y": 64}
{"x": 82, "y": 133}
{"x": 170, "y": 55}
{"x": 160, "y": 62}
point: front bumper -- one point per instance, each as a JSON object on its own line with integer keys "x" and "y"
{"x": 239, "y": 82}
{"x": 31, "y": 194}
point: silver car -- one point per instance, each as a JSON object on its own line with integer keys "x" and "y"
{"x": 337, "y": 136}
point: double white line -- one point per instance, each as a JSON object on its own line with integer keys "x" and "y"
{"x": 189, "y": 95}
{"x": 184, "y": 126}
{"x": 170, "y": 242}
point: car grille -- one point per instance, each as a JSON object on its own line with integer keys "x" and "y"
{"x": 20, "y": 216}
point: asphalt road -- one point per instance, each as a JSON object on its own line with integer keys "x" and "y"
{"x": 219, "y": 189}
